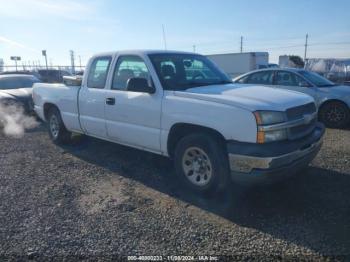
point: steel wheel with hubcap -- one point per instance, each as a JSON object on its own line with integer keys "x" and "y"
{"x": 54, "y": 126}
{"x": 57, "y": 131}
{"x": 197, "y": 166}
{"x": 201, "y": 163}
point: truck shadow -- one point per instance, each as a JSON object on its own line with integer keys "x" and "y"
{"x": 310, "y": 210}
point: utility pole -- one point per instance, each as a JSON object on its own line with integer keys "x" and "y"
{"x": 306, "y": 39}
{"x": 241, "y": 44}
{"x": 164, "y": 37}
{"x": 44, "y": 54}
{"x": 80, "y": 62}
{"x": 72, "y": 61}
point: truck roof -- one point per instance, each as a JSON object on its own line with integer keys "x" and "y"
{"x": 142, "y": 52}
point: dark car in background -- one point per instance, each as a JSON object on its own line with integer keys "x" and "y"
{"x": 22, "y": 72}
{"x": 52, "y": 75}
{"x": 17, "y": 89}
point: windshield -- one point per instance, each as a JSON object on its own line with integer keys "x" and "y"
{"x": 316, "y": 79}
{"x": 183, "y": 71}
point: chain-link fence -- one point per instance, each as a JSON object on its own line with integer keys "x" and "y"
{"x": 22, "y": 67}
{"x": 50, "y": 74}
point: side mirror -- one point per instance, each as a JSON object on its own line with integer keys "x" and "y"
{"x": 72, "y": 80}
{"x": 137, "y": 84}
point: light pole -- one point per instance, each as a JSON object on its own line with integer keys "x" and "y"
{"x": 306, "y": 44}
{"x": 241, "y": 44}
{"x": 44, "y": 54}
{"x": 16, "y": 58}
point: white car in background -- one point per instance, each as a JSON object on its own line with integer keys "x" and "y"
{"x": 333, "y": 100}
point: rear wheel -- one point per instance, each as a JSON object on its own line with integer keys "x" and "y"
{"x": 335, "y": 114}
{"x": 201, "y": 163}
{"x": 57, "y": 131}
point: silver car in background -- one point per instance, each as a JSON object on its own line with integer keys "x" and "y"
{"x": 333, "y": 100}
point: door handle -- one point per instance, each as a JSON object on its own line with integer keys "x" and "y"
{"x": 110, "y": 101}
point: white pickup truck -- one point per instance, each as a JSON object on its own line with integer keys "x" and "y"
{"x": 182, "y": 106}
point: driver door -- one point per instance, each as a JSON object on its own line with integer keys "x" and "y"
{"x": 132, "y": 118}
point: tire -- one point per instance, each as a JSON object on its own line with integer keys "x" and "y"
{"x": 57, "y": 131}
{"x": 335, "y": 114}
{"x": 201, "y": 164}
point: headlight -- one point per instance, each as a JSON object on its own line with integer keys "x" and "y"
{"x": 269, "y": 117}
{"x": 264, "y": 118}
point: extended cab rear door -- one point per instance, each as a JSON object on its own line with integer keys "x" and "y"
{"x": 92, "y": 97}
{"x": 133, "y": 118}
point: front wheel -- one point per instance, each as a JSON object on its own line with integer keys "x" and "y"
{"x": 335, "y": 115}
{"x": 57, "y": 131}
{"x": 201, "y": 163}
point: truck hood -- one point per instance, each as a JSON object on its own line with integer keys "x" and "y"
{"x": 251, "y": 97}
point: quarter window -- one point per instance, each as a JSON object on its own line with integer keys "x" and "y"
{"x": 98, "y": 72}
{"x": 129, "y": 67}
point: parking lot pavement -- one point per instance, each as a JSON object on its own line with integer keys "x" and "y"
{"x": 100, "y": 199}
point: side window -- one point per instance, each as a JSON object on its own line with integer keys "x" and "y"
{"x": 262, "y": 78}
{"x": 10, "y": 83}
{"x": 98, "y": 72}
{"x": 53, "y": 73}
{"x": 128, "y": 67}
{"x": 284, "y": 78}
{"x": 243, "y": 80}
{"x": 26, "y": 82}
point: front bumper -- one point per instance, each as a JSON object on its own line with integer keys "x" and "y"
{"x": 268, "y": 163}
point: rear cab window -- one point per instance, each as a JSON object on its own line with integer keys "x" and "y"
{"x": 98, "y": 72}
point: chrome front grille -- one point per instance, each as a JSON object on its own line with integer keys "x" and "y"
{"x": 300, "y": 112}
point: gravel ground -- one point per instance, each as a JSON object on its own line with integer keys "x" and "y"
{"x": 100, "y": 200}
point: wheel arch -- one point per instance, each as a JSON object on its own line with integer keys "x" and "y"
{"x": 47, "y": 107}
{"x": 180, "y": 130}
{"x": 326, "y": 102}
